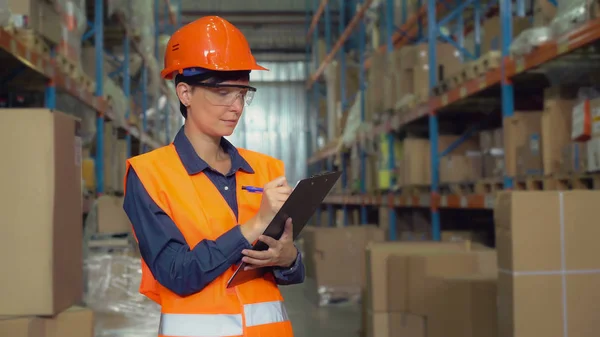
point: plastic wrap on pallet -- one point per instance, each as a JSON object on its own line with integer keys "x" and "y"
{"x": 139, "y": 17}
{"x": 112, "y": 292}
{"x": 73, "y": 26}
{"x": 571, "y": 13}
{"x": 117, "y": 99}
{"x": 529, "y": 39}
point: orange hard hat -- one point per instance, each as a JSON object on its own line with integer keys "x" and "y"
{"x": 210, "y": 42}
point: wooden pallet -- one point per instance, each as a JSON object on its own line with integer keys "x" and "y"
{"x": 559, "y": 182}
{"x": 31, "y": 39}
{"x": 489, "y": 185}
{"x": 66, "y": 66}
{"x": 463, "y": 188}
{"x": 415, "y": 190}
{"x": 487, "y": 62}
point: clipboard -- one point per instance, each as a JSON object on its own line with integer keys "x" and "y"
{"x": 305, "y": 199}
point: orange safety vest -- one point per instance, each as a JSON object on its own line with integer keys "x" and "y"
{"x": 200, "y": 212}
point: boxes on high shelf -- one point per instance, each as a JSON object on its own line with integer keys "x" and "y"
{"x": 375, "y": 88}
{"x": 461, "y": 167}
{"x": 416, "y": 160}
{"x": 492, "y": 33}
{"x": 332, "y": 109}
{"x": 553, "y": 292}
{"x": 38, "y": 15}
{"x": 586, "y": 127}
{"x": 110, "y": 215}
{"x": 556, "y": 130}
{"x": 522, "y": 143}
{"x": 574, "y": 158}
{"x": 40, "y": 177}
{"x": 491, "y": 144}
{"x": 391, "y": 80}
{"x": 414, "y": 63}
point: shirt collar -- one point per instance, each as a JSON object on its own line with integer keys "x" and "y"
{"x": 194, "y": 164}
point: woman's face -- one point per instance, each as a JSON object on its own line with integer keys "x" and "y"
{"x": 216, "y": 111}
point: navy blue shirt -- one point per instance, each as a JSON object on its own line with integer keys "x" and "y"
{"x": 180, "y": 269}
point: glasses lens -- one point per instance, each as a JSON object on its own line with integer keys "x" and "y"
{"x": 226, "y": 96}
{"x": 249, "y": 97}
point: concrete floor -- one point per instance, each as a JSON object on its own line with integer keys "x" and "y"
{"x": 309, "y": 320}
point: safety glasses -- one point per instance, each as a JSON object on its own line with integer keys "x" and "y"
{"x": 227, "y": 94}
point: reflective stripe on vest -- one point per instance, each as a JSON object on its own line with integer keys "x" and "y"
{"x": 193, "y": 325}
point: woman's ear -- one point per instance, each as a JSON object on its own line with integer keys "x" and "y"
{"x": 184, "y": 93}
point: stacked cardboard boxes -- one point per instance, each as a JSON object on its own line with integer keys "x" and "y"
{"x": 491, "y": 143}
{"x": 584, "y": 150}
{"x": 402, "y": 282}
{"x": 335, "y": 260}
{"x": 549, "y": 272}
{"x": 416, "y": 160}
{"x": 41, "y": 249}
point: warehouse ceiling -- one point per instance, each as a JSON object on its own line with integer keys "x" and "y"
{"x": 275, "y": 29}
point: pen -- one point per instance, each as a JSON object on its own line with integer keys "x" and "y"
{"x": 252, "y": 189}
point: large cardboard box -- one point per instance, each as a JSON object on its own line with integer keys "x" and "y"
{"x": 556, "y": 132}
{"x": 41, "y": 210}
{"x": 422, "y": 290}
{"x": 377, "y": 255}
{"x": 396, "y": 324}
{"x": 464, "y": 306}
{"x": 523, "y": 130}
{"x": 335, "y": 258}
{"x": 547, "y": 256}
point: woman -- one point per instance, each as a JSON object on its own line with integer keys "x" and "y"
{"x": 193, "y": 221}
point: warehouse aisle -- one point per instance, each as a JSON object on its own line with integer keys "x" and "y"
{"x": 311, "y": 321}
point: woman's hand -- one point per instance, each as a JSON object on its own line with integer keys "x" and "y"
{"x": 281, "y": 253}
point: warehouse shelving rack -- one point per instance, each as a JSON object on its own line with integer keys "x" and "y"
{"x": 500, "y": 79}
{"x": 45, "y": 65}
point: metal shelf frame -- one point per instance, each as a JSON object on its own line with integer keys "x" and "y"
{"x": 411, "y": 30}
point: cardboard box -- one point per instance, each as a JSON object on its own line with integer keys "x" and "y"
{"x": 335, "y": 257}
{"x": 521, "y": 130}
{"x": 74, "y": 322}
{"x": 574, "y": 158}
{"x": 422, "y": 290}
{"x": 395, "y": 324}
{"x": 40, "y": 16}
{"x": 554, "y": 291}
{"x": 40, "y": 171}
{"x": 556, "y": 132}
{"x": 112, "y": 219}
{"x": 22, "y": 327}
{"x": 464, "y": 306}
{"x": 461, "y": 168}
{"x": 377, "y": 254}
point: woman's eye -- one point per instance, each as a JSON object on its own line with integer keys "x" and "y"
{"x": 223, "y": 92}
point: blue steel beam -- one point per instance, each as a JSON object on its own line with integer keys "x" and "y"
{"x": 389, "y": 20}
{"x": 362, "y": 36}
{"x": 507, "y": 90}
{"x": 432, "y": 30}
{"x": 99, "y": 51}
